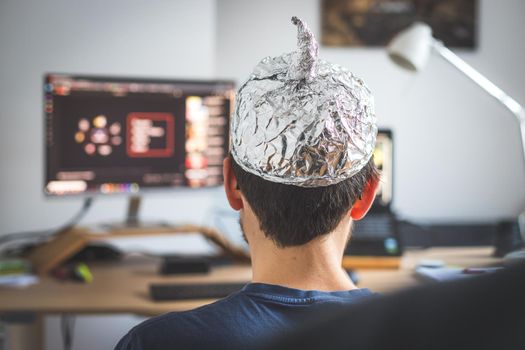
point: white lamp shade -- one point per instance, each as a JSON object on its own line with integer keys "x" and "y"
{"x": 410, "y": 48}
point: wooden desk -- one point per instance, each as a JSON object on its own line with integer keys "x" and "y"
{"x": 122, "y": 287}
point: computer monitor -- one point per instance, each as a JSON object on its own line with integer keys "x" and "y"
{"x": 109, "y": 135}
{"x": 384, "y": 160}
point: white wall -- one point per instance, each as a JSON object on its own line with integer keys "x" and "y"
{"x": 458, "y": 154}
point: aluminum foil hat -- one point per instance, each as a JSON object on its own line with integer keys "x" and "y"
{"x": 302, "y": 121}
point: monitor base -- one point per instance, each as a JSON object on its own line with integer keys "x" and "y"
{"x": 139, "y": 225}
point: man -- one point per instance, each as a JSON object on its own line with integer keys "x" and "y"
{"x": 300, "y": 171}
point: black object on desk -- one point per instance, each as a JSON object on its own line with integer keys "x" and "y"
{"x": 97, "y": 252}
{"x": 185, "y": 291}
{"x": 182, "y": 265}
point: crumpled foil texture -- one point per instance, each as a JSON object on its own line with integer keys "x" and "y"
{"x": 302, "y": 121}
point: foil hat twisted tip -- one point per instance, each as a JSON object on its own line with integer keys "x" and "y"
{"x": 305, "y": 64}
{"x": 302, "y": 121}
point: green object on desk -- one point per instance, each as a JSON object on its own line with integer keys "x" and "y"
{"x": 14, "y": 267}
{"x": 83, "y": 271}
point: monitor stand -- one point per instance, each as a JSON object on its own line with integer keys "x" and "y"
{"x": 50, "y": 254}
{"x": 132, "y": 221}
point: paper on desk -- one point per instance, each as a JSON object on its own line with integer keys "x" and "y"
{"x": 185, "y": 244}
{"x": 441, "y": 274}
{"x": 19, "y": 281}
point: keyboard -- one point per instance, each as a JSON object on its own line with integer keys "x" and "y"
{"x": 375, "y": 235}
{"x": 374, "y": 226}
{"x": 185, "y": 291}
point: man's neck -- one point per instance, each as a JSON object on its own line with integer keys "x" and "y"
{"x": 313, "y": 266}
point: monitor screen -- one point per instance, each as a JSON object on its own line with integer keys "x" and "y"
{"x": 384, "y": 159}
{"x": 121, "y": 135}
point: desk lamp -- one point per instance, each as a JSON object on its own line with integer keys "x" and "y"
{"x": 411, "y": 48}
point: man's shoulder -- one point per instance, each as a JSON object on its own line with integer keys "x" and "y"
{"x": 259, "y": 310}
{"x": 186, "y": 329}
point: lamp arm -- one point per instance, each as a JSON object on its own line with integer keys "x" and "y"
{"x": 511, "y": 104}
{"x": 479, "y": 79}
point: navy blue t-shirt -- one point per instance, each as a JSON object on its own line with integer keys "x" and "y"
{"x": 243, "y": 319}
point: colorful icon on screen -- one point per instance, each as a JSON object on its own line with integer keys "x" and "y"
{"x": 97, "y": 136}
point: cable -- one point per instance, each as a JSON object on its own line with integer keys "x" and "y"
{"x": 67, "y": 325}
{"x": 9, "y": 238}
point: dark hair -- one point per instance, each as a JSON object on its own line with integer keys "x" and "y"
{"x": 292, "y": 215}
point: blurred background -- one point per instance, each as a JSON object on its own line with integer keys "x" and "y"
{"x": 457, "y": 152}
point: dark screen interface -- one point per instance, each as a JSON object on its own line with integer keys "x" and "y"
{"x": 112, "y": 135}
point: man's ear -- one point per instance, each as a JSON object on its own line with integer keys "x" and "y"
{"x": 361, "y": 206}
{"x": 230, "y": 185}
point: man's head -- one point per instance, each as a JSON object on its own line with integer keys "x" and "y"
{"x": 292, "y": 215}
{"x": 302, "y": 137}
